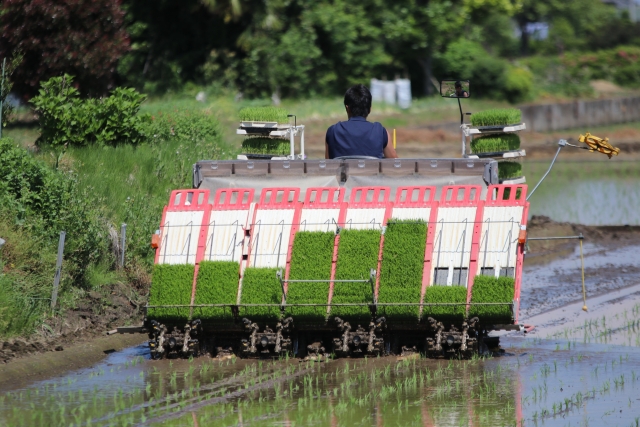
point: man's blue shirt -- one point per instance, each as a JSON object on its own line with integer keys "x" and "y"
{"x": 357, "y": 137}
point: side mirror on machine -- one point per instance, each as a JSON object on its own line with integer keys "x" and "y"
{"x": 455, "y": 89}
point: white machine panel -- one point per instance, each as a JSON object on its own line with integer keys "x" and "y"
{"x": 499, "y": 238}
{"x": 452, "y": 244}
{"x": 270, "y": 237}
{"x": 180, "y": 233}
{"x": 319, "y": 219}
{"x": 225, "y": 234}
{"x": 365, "y": 218}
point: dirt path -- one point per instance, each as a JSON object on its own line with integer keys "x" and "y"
{"x": 36, "y": 367}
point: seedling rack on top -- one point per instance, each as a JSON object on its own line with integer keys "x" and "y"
{"x": 507, "y": 147}
{"x": 264, "y": 132}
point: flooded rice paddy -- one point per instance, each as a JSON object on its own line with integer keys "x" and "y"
{"x": 536, "y": 382}
{"x": 598, "y": 192}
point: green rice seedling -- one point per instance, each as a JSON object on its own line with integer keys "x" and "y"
{"x": 357, "y": 254}
{"x": 402, "y": 265}
{"x": 261, "y": 286}
{"x": 496, "y": 117}
{"x": 447, "y": 314}
{"x": 264, "y": 114}
{"x": 171, "y": 285}
{"x": 495, "y": 143}
{"x": 311, "y": 258}
{"x": 492, "y": 289}
{"x": 273, "y": 146}
{"x": 508, "y": 170}
{"x": 217, "y": 283}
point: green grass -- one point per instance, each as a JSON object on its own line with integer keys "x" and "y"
{"x": 261, "y": 286}
{"x": 496, "y": 116}
{"x": 264, "y": 114}
{"x": 357, "y": 255}
{"x": 492, "y": 289}
{"x": 311, "y": 258}
{"x": 495, "y": 143}
{"x": 447, "y": 314}
{"x": 217, "y": 283}
{"x": 401, "y": 270}
{"x": 266, "y": 146}
{"x": 171, "y": 285}
{"x": 507, "y": 170}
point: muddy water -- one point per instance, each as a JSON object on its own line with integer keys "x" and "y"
{"x": 536, "y": 382}
{"x": 598, "y": 192}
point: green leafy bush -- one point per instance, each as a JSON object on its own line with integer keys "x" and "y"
{"x": 495, "y": 143}
{"x": 496, "y": 117}
{"x": 447, "y": 314}
{"x": 507, "y": 170}
{"x": 492, "y": 289}
{"x": 357, "y": 255}
{"x": 171, "y": 285}
{"x": 518, "y": 84}
{"x": 217, "y": 283}
{"x": 261, "y": 286}
{"x": 402, "y": 266}
{"x": 266, "y": 146}
{"x": 66, "y": 119}
{"x": 264, "y": 114}
{"x": 189, "y": 126}
{"x": 311, "y": 258}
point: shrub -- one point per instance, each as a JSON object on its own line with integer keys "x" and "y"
{"x": 496, "y": 117}
{"x": 357, "y": 254}
{"x": 492, "y": 289}
{"x": 518, "y": 84}
{"x": 181, "y": 125}
{"x": 46, "y": 202}
{"x": 217, "y": 283}
{"x": 447, "y": 314}
{"x": 507, "y": 170}
{"x": 264, "y": 114}
{"x": 495, "y": 143}
{"x": 402, "y": 266}
{"x": 65, "y": 119}
{"x": 171, "y": 285}
{"x": 266, "y": 146}
{"x": 261, "y": 286}
{"x": 311, "y": 259}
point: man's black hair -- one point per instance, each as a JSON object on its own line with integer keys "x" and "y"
{"x": 458, "y": 84}
{"x": 358, "y": 99}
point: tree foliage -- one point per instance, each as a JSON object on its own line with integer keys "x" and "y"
{"x": 84, "y": 38}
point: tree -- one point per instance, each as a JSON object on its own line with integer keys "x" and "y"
{"x": 84, "y": 38}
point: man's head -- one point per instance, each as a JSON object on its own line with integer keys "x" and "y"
{"x": 458, "y": 86}
{"x": 358, "y": 101}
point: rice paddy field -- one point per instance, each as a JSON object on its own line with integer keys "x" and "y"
{"x": 535, "y": 382}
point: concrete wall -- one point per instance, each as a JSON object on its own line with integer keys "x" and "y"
{"x": 581, "y": 114}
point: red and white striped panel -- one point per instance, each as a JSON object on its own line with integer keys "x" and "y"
{"x": 368, "y": 208}
{"x": 501, "y": 220}
{"x": 226, "y": 225}
{"x": 181, "y": 229}
{"x": 323, "y": 209}
{"x": 505, "y": 211}
{"x": 275, "y": 221}
{"x": 459, "y": 210}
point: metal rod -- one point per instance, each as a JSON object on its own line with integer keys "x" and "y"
{"x": 284, "y": 293}
{"x": 328, "y": 280}
{"x": 581, "y": 237}
{"x": 584, "y": 291}
{"x": 561, "y": 144}
{"x": 56, "y": 278}
{"x": 4, "y": 61}
{"x": 123, "y": 241}
{"x": 364, "y": 304}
